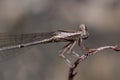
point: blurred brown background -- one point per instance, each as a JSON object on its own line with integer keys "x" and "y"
{"x": 42, "y": 62}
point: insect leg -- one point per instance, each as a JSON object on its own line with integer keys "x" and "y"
{"x": 71, "y": 51}
{"x": 71, "y": 47}
{"x": 81, "y": 43}
{"x": 75, "y": 54}
{"x": 62, "y": 54}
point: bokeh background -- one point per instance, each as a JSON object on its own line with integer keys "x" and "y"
{"x": 41, "y": 62}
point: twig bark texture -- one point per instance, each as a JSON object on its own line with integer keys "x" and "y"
{"x": 89, "y": 52}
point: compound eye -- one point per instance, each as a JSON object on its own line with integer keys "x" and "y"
{"x": 84, "y": 37}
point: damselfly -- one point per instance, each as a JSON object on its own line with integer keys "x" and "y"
{"x": 10, "y": 41}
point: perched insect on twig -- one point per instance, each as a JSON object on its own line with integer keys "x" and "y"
{"x": 73, "y": 37}
{"x": 24, "y": 40}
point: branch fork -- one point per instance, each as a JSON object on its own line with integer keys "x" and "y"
{"x": 89, "y": 52}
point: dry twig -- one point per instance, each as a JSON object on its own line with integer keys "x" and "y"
{"x": 89, "y": 52}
